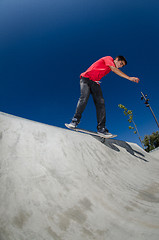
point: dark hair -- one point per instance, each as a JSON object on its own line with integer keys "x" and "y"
{"x": 121, "y": 58}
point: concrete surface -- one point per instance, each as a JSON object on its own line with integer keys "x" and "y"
{"x": 155, "y": 153}
{"x": 56, "y": 184}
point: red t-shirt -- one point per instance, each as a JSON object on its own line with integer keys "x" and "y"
{"x": 99, "y": 69}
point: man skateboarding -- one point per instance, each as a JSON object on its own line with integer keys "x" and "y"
{"x": 90, "y": 84}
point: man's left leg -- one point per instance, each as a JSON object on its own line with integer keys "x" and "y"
{"x": 100, "y": 105}
{"x": 100, "y": 109}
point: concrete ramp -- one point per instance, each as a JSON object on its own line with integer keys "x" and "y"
{"x": 56, "y": 184}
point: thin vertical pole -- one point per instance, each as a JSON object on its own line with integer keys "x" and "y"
{"x": 150, "y": 109}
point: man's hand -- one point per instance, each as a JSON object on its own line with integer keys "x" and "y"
{"x": 134, "y": 79}
{"x": 121, "y": 74}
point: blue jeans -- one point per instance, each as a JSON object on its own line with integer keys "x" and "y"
{"x": 90, "y": 87}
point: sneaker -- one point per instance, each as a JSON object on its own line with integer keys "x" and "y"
{"x": 73, "y": 123}
{"x": 104, "y": 131}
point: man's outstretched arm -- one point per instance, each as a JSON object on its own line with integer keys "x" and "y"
{"x": 121, "y": 74}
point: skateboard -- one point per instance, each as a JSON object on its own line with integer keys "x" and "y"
{"x": 91, "y": 132}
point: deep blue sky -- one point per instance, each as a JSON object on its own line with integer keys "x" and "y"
{"x": 46, "y": 44}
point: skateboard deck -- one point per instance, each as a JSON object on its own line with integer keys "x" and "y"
{"x": 90, "y": 132}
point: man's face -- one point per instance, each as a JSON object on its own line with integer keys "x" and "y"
{"x": 119, "y": 63}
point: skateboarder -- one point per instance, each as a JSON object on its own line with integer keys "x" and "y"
{"x": 90, "y": 84}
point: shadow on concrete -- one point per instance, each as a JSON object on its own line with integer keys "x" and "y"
{"x": 113, "y": 144}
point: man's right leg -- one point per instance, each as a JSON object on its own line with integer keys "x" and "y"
{"x": 82, "y": 102}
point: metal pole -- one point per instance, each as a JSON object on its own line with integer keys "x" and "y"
{"x": 148, "y": 105}
{"x": 154, "y": 116}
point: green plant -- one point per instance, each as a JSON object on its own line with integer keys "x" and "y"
{"x": 129, "y": 113}
{"x": 151, "y": 141}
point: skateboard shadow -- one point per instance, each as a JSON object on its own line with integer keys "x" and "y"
{"x": 113, "y": 143}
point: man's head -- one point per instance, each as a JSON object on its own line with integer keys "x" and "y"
{"x": 120, "y": 61}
